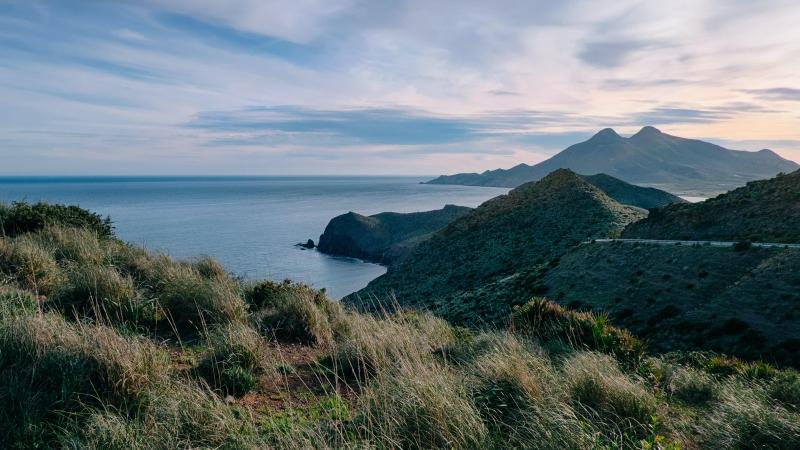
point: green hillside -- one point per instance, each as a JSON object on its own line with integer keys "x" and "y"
{"x": 744, "y": 303}
{"x": 104, "y": 345}
{"x": 764, "y": 211}
{"x": 530, "y": 226}
{"x": 630, "y": 194}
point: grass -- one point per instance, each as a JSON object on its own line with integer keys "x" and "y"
{"x": 219, "y": 363}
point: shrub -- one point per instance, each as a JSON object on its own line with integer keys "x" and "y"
{"x": 376, "y": 345}
{"x": 268, "y": 293}
{"x": 30, "y": 265}
{"x": 101, "y": 292}
{"x": 16, "y": 302}
{"x": 76, "y": 245}
{"x": 607, "y": 396}
{"x": 786, "y": 388}
{"x": 301, "y": 315}
{"x": 517, "y": 393}
{"x": 49, "y": 367}
{"x": 745, "y": 419}
{"x": 209, "y": 267}
{"x": 234, "y": 359}
{"x": 192, "y": 301}
{"x": 422, "y": 406}
{"x": 21, "y": 217}
{"x": 179, "y": 416}
{"x": 724, "y": 366}
{"x": 692, "y": 386}
{"x": 548, "y": 321}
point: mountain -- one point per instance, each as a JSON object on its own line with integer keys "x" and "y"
{"x": 649, "y": 157}
{"x": 388, "y": 237}
{"x": 384, "y": 238}
{"x": 766, "y": 211}
{"x": 530, "y": 226}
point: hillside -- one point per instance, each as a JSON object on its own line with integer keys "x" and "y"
{"x": 744, "y": 303}
{"x": 630, "y": 194}
{"x": 765, "y": 211}
{"x": 386, "y": 237}
{"x": 104, "y": 345}
{"x": 528, "y": 227}
{"x": 650, "y": 158}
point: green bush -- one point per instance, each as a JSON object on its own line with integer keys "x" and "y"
{"x": 422, "y": 406}
{"x": 208, "y": 267}
{"x": 49, "y": 368}
{"x": 268, "y": 293}
{"x": 745, "y": 419}
{"x": 16, "y": 302}
{"x": 30, "y": 265}
{"x": 21, "y": 217}
{"x": 607, "y": 396}
{"x": 234, "y": 360}
{"x": 192, "y": 301}
{"x": 785, "y": 388}
{"x": 300, "y": 315}
{"x": 72, "y": 245}
{"x": 692, "y": 386}
{"x": 101, "y": 292}
{"x": 547, "y": 321}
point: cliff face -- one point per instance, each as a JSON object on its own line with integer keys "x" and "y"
{"x": 384, "y": 238}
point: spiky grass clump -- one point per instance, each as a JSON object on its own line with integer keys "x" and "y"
{"x": 208, "y": 267}
{"x": 422, "y": 406}
{"x": 72, "y": 245}
{"x": 746, "y": 418}
{"x": 786, "y": 389}
{"x": 299, "y": 314}
{"x": 235, "y": 358}
{"x": 516, "y": 390}
{"x": 692, "y": 386}
{"x": 49, "y": 367}
{"x": 28, "y": 264}
{"x": 193, "y": 301}
{"x": 102, "y": 292}
{"x": 374, "y": 345}
{"x": 16, "y": 302}
{"x": 546, "y": 321}
{"x": 600, "y": 391}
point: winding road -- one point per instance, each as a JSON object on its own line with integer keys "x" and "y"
{"x": 706, "y": 243}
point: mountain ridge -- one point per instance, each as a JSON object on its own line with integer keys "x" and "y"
{"x": 649, "y": 157}
{"x": 528, "y": 227}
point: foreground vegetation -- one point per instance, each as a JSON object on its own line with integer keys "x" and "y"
{"x": 104, "y": 345}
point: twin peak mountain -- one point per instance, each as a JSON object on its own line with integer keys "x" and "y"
{"x": 650, "y": 158}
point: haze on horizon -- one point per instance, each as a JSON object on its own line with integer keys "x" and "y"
{"x": 381, "y": 87}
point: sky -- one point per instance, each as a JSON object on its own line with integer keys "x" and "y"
{"x": 374, "y": 87}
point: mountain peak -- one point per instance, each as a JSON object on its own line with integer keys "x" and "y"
{"x": 648, "y": 131}
{"x": 606, "y": 134}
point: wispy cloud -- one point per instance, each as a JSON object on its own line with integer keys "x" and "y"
{"x": 170, "y": 85}
{"x": 778, "y": 93}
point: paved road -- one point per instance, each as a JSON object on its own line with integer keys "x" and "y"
{"x": 707, "y": 243}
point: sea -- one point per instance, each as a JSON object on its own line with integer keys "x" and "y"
{"x": 249, "y": 224}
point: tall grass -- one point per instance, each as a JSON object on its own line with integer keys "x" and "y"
{"x": 554, "y": 379}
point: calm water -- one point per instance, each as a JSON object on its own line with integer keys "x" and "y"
{"x": 249, "y": 224}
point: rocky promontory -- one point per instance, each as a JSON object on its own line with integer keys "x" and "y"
{"x": 384, "y": 238}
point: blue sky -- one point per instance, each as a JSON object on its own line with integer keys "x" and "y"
{"x": 381, "y": 87}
